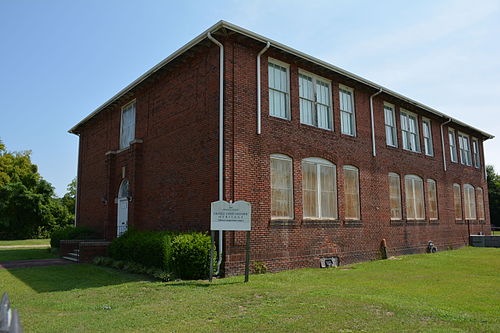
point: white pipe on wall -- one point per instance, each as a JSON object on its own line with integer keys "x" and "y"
{"x": 374, "y": 151}
{"x": 259, "y": 116}
{"x": 221, "y": 136}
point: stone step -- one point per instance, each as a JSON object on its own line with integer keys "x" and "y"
{"x": 70, "y": 258}
{"x": 73, "y": 254}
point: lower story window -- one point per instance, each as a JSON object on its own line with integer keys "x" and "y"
{"x": 281, "y": 187}
{"x": 319, "y": 189}
{"x": 351, "y": 193}
{"x": 469, "y": 202}
{"x": 414, "y": 190}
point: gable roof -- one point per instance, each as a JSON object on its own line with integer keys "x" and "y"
{"x": 223, "y": 24}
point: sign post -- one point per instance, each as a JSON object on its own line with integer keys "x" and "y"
{"x": 231, "y": 216}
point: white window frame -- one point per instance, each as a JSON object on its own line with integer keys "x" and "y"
{"x": 429, "y": 181}
{"x": 461, "y": 217}
{"x": 352, "y": 130}
{"x": 453, "y": 145}
{"x": 476, "y": 156}
{"x": 318, "y": 163}
{"x": 315, "y": 102}
{"x": 462, "y": 137}
{"x": 276, "y": 62}
{"x": 352, "y": 168}
{"x": 123, "y": 144}
{"x": 406, "y": 133}
{"x": 388, "y": 127}
{"x": 470, "y": 202}
{"x": 428, "y": 141}
{"x": 414, "y": 178}
{"x": 288, "y": 159}
{"x": 393, "y": 174}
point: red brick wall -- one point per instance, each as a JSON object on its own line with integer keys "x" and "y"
{"x": 300, "y": 243}
{"x": 173, "y": 172}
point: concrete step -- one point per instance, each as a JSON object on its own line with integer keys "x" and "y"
{"x": 70, "y": 258}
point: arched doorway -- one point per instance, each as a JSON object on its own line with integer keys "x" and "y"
{"x": 122, "y": 215}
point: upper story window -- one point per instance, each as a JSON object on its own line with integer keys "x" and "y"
{"x": 427, "y": 133}
{"x": 414, "y": 190}
{"x": 391, "y": 137}
{"x": 464, "y": 147}
{"x": 469, "y": 202}
{"x": 347, "y": 113}
{"x": 281, "y": 187}
{"x": 319, "y": 189}
{"x": 315, "y": 100}
{"x": 457, "y": 199}
{"x": 480, "y": 204}
{"x": 395, "y": 196}
{"x": 432, "y": 199}
{"x": 127, "y": 126}
{"x": 475, "y": 153}
{"x": 279, "y": 89}
{"x": 453, "y": 145}
{"x": 409, "y": 131}
{"x": 351, "y": 193}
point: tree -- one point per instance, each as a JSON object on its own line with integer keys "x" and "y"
{"x": 493, "y": 195}
{"x": 28, "y": 206}
{"x": 69, "y": 199}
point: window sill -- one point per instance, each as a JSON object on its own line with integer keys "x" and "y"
{"x": 282, "y": 223}
{"x": 353, "y": 223}
{"x": 312, "y": 127}
{"x": 332, "y": 223}
{"x": 459, "y": 221}
{"x": 433, "y": 221}
{"x": 416, "y": 222}
{"x": 413, "y": 151}
{"x": 397, "y": 222}
{"x": 348, "y": 136}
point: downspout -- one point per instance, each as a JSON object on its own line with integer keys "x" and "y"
{"x": 221, "y": 136}
{"x": 258, "y": 87}
{"x": 442, "y": 142}
{"x": 374, "y": 151}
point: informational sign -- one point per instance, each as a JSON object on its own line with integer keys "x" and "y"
{"x": 235, "y": 216}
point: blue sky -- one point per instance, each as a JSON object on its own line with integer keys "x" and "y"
{"x": 60, "y": 60}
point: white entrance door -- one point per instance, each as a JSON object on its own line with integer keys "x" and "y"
{"x": 122, "y": 218}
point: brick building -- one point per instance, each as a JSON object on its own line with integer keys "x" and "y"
{"x": 332, "y": 163}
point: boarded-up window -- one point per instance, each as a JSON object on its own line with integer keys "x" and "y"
{"x": 457, "y": 197}
{"x": 469, "y": 202}
{"x": 432, "y": 198}
{"x": 395, "y": 196}
{"x": 319, "y": 189}
{"x": 281, "y": 187}
{"x": 351, "y": 192}
{"x": 127, "y": 130}
{"x": 414, "y": 191}
{"x": 480, "y": 204}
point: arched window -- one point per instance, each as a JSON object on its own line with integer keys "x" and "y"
{"x": 432, "y": 199}
{"x": 457, "y": 198}
{"x": 469, "y": 202}
{"x": 351, "y": 193}
{"x": 124, "y": 191}
{"x": 281, "y": 187}
{"x": 395, "y": 196}
{"x": 319, "y": 189}
{"x": 414, "y": 191}
{"x": 480, "y": 203}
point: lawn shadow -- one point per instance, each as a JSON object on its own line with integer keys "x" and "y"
{"x": 25, "y": 254}
{"x": 200, "y": 284}
{"x": 71, "y": 277}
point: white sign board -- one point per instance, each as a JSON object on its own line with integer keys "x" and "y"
{"x": 231, "y": 216}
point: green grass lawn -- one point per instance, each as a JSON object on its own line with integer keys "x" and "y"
{"x": 25, "y": 254}
{"x": 496, "y": 232}
{"x": 25, "y": 242}
{"x": 453, "y": 291}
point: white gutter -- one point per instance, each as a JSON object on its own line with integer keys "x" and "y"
{"x": 442, "y": 142}
{"x": 374, "y": 151}
{"x": 259, "y": 116}
{"x": 221, "y": 136}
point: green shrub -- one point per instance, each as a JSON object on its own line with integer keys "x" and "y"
{"x": 191, "y": 255}
{"x": 71, "y": 232}
{"x": 259, "y": 267}
{"x": 151, "y": 249}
